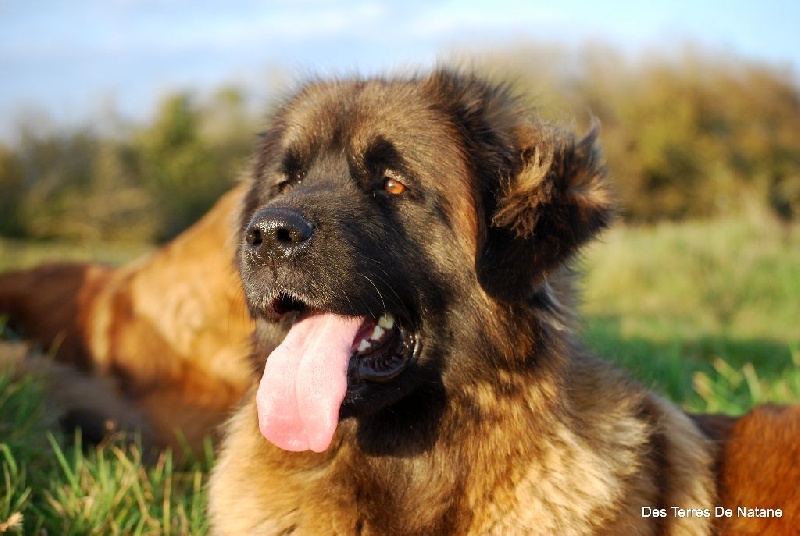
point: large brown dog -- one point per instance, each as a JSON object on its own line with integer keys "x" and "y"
{"x": 472, "y": 409}
{"x": 167, "y": 334}
{"x": 416, "y": 233}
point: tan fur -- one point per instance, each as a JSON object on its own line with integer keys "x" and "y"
{"x": 170, "y": 330}
{"x": 70, "y": 394}
{"x": 534, "y": 435}
{"x": 545, "y": 440}
{"x": 590, "y": 471}
{"x": 759, "y": 467}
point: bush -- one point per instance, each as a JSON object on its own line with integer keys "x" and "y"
{"x": 695, "y": 135}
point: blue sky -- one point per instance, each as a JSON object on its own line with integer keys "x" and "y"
{"x": 72, "y": 60}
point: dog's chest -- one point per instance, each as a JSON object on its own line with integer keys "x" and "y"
{"x": 367, "y": 496}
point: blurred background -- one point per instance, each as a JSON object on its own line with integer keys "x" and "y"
{"x": 125, "y": 119}
{"x": 122, "y": 121}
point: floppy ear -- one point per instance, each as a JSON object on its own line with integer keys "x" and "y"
{"x": 557, "y": 201}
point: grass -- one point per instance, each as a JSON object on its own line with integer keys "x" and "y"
{"x": 705, "y": 313}
{"x": 52, "y": 484}
{"x": 22, "y": 254}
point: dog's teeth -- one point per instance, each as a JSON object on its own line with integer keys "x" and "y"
{"x": 377, "y": 333}
{"x": 386, "y": 321}
{"x": 363, "y": 346}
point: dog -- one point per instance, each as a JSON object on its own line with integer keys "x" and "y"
{"x": 165, "y": 338}
{"x": 757, "y": 465}
{"x": 414, "y": 236}
{"x": 442, "y": 211}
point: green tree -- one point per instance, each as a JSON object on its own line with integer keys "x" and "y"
{"x": 11, "y": 193}
{"x": 187, "y": 161}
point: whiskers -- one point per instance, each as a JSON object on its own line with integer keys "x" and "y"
{"x": 378, "y": 279}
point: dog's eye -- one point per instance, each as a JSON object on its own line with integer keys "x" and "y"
{"x": 393, "y": 186}
{"x": 288, "y": 182}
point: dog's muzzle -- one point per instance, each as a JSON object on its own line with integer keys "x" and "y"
{"x": 277, "y": 232}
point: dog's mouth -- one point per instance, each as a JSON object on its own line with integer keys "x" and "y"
{"x": 325, "y": 360}
{"x": 381, "y": 351}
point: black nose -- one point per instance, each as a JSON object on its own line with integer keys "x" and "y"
{"x": 278, "y": 231}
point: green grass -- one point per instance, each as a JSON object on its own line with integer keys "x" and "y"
{"x": 21, "y": 254}
{"x": 52, "y": 484}
{"x": 706, "y": 313}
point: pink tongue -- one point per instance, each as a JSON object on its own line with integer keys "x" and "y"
{"x": 305, "y": 381}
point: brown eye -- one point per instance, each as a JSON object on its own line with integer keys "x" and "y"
{"x": 393, "y": 186}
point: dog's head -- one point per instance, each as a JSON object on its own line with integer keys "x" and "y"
{"x": 382, "y": 217}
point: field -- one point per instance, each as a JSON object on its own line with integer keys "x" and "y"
{"x": 706, "y": 313}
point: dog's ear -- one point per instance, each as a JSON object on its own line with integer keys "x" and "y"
{"x": 554, "y": 203}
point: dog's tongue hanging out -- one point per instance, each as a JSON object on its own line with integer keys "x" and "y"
{"x": 305, "y": 381}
